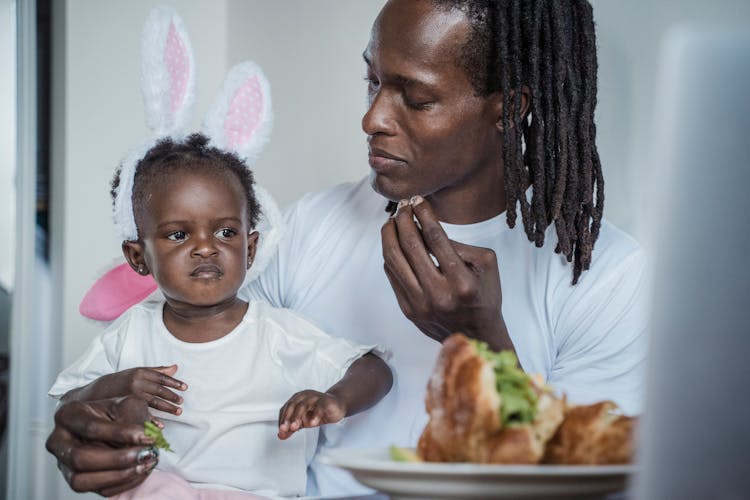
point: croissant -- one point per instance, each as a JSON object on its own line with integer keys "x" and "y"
{"x": 483, "y": 408}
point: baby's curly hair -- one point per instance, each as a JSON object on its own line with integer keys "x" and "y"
{"x": 169, "y": 156}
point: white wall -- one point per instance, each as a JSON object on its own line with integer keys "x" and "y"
{"x": 629, "y": 33}
{"x": 7, "y": 143}
{"x": 312, "y": 55}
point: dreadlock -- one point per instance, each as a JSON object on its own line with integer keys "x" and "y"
{"x": 548, "y": 46}
{"x": 170, "y": 157}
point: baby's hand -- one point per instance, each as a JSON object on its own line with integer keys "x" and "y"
{"x": 309, "y": 409}
{"x": 151, "y": 384}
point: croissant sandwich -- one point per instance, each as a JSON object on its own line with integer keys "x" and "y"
{"x": 483, "y": 408}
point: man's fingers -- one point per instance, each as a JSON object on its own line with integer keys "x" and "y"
{"x": 121, "y": 488}
{"x": 395, "y": 260}
{"x": 476, "y": 258}
{"x": 90, "y": 426}
{"x": 413, "y": 247}
{"x": 401, "y": 296}
{"x": 104, "y": 480}
{"x": 435, "y": 238}
{"x": 91, "y": 458}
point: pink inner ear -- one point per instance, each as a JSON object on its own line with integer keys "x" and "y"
{"x": 245, "y": 113}
{"x": 176, "y": 61}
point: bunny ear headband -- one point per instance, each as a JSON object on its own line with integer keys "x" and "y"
{"x": 238, "y": 121}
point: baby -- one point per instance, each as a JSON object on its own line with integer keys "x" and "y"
{"x": 218, "y": 372}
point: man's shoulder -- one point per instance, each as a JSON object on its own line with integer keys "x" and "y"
{"x": 342, "y": 209}
{"x": 615, "y": 245}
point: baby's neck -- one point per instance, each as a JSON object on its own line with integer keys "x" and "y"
{"x": 196, "y": 324}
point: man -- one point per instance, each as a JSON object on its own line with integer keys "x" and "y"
{"x": 476, "y": 110}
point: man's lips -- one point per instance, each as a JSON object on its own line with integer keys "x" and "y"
{"x": 382, "y": 160}
{"x": 207, "y": 271}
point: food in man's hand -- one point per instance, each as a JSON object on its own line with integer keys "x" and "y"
{"x": 151, "y": 430}
{"x": 484, "y": 408}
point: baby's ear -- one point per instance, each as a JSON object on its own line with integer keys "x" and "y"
{"x": 168, "y": 79}
{"x": 252, "y": 246}
{"x": 134, "y": 256}
{"x": 240, "y": 119}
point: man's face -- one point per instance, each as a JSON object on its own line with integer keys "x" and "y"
{"x": 428, "y": 133}
{"x": 195, "y": 237}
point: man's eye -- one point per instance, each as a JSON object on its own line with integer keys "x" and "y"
{"x": 372, "y": 82}
{"x": 177, "y": 236}
{"x": 420, "y": 106}
{"x": 225, "y": 233}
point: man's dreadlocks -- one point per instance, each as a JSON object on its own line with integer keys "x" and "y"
{"x": 549, "y": 48}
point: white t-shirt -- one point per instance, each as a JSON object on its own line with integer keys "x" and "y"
{"x": 586, "y": 340}
{"x": 225, "y": 437}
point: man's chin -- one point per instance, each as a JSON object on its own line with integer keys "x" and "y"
{"x": 385, "y": 188}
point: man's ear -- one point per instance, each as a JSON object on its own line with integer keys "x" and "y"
{"x": 498, "y": 106}
{"x": 252, "y": 245}
{"x": 133, "y": 252}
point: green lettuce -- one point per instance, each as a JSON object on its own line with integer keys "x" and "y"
{"x": 518, "y": 398}
{"x": 151, "y": 430}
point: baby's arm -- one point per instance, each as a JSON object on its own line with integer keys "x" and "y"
{"x": 147, "y": 383}
{"x": 365, "y": 383}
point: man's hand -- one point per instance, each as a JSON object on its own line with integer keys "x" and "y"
{"x": 460, "y": 294}
{"x": 100, "y": 446}
{"x": 309, "y": 409}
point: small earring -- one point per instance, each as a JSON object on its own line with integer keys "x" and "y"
{"x": 141, "y": 269}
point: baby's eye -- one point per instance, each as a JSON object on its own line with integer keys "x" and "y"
{"x": 225, "y": 233}
{"x": 177, "y": 236}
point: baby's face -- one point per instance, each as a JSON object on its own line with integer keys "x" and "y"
{"x": 195, "y": 236}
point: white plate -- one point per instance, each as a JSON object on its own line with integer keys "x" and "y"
{"x": 437, "y": 481}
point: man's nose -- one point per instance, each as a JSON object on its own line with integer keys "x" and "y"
{"x": 379, "y": 118}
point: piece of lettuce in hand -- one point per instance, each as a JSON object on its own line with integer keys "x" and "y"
{"x": 403, "y": 454}
{"x": 151, "y": 430}
{"x": 518, "y": 398}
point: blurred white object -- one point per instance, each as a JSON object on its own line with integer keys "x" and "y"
{"x": 695, "y": 440}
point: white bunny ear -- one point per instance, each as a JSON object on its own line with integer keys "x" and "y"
{"x": 270, "y": 229}
{"x": 241, "y": 118}
{"x": 168, "y": 80}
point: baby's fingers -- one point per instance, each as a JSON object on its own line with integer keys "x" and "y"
{"x": 162, "y": 375}
{"x": 163, "y": 399}
{"x": 313, "y": 417}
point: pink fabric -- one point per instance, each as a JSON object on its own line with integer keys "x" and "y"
{"x": 116, "y": 291}
{"x": 162, "y": 485}
{"x": 176, "y": 61}
{"x": 245, "y": 113}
